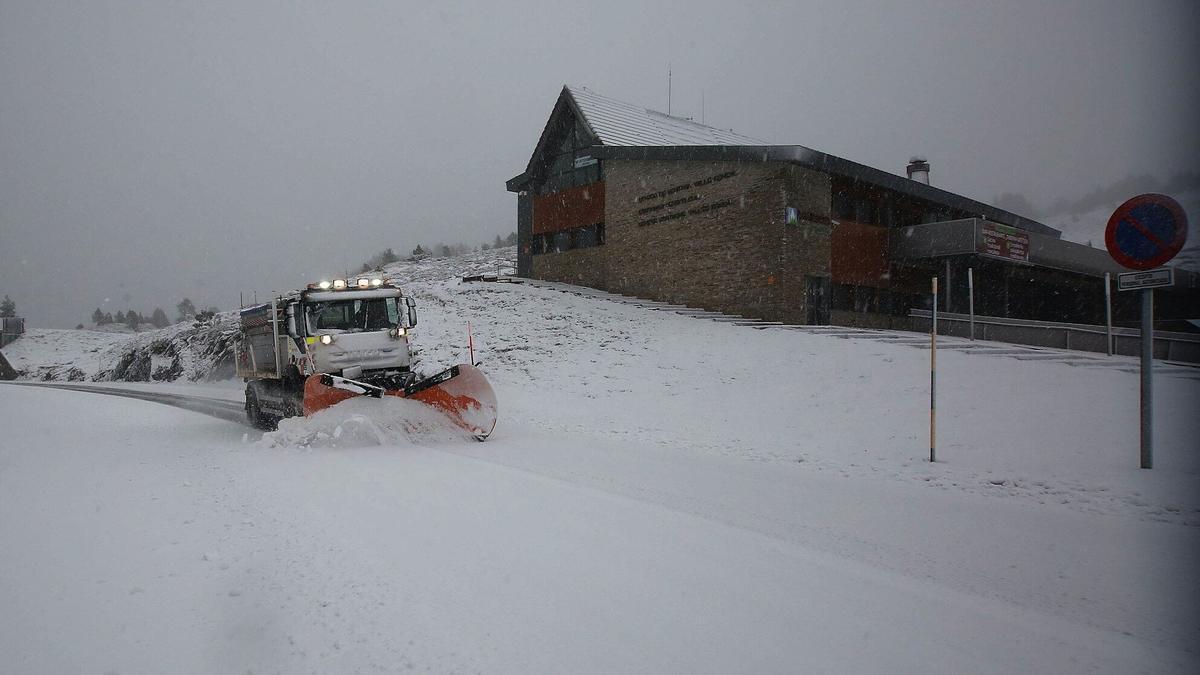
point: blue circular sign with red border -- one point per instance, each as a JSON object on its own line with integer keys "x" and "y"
{"x": 1146, "y": 231}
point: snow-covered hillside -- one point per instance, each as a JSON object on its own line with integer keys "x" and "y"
{"x": 661, "y": 494}
{"x": 190, "y": 351}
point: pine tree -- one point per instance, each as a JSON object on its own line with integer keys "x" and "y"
{"x": 120, "y": 316}
{"x": 97, "y": 317}
{"x": 8, "y": 308}
{"x": 159, "y": 318}
{"x": 418, "y": 251}
{"x": 187, "y": 310}
{"x": 108, "y": 318}
{"x": 132, "y": 319}
{"x": 498, "y": 242}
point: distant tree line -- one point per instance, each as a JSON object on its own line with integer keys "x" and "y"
{"x": 158, "y": 318}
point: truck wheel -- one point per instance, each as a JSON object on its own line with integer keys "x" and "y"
{"x": 251, "y": 408}
{"x": 255, "y": 415}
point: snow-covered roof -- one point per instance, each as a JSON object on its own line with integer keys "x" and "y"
{"x": 625, "y": 124}
{"x": 628, "y": 131}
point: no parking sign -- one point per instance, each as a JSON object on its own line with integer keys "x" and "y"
{"x": 1146, "y": 231}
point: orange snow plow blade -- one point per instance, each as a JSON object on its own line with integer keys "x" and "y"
{"x": 461, "y": 392}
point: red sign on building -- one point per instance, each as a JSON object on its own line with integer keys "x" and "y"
{"x": 1005, "y": 242}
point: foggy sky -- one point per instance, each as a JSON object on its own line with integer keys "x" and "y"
{"x": 158, "y": 150}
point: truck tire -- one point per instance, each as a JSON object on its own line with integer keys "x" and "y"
{"x": 254, "y": 412}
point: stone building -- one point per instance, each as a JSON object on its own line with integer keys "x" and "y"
{"x": 638, "y": 202}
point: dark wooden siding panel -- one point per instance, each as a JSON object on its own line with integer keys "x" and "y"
{"x": 573, "y": 207}
{"x": 859, "y": 254}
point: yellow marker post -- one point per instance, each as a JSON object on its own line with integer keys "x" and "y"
{"x": 933, "y": 379}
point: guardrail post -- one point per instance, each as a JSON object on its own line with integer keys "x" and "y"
{"x": 933, "y": 379}
{"x": 971, "y": 298}
{"x": 949, "y": 285}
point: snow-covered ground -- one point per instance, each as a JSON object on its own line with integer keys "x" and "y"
{"x": 661, "y": 494}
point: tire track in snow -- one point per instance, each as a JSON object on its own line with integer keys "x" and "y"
{"x": 230, "y": 411}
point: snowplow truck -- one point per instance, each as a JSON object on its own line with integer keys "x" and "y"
{"x": 311, "y": 349}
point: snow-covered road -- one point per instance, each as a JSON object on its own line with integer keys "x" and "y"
{"x": 140, "y": 538}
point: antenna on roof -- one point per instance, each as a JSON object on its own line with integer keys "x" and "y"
{"x": 668, "y": 88}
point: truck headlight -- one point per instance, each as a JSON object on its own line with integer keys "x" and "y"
{"x": 339, "y": 283}
{"x": 324, "y": 285}
{"x": 363, "y": 283}
{"x": 377, "y": 282}
{"x": 326, "y": 339}
{"x": 400, "y": 331}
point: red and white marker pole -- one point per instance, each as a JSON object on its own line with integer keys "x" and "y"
{"x": 470, "y": 343}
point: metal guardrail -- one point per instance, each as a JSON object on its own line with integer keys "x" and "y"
{"x": 1168, "y": 345}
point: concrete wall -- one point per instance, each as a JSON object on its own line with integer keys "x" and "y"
{"x": 842, "y": 317}
{"x": 706, "y": 234}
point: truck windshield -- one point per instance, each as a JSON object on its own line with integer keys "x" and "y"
{"x": 354, "y": 315}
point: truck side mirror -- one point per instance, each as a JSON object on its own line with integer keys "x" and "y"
{"x": 291, "y": 321}
{"x": 412, "y": 311}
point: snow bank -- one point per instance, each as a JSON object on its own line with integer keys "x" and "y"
{"x": 365, "y": 422}
{"x": 67, "y": 355}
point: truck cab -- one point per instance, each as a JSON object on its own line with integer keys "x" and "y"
{"x": 360, "y": 330}
{"x": 353, "y": 328}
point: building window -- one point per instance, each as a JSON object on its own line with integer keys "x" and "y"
{"x": 864, "y": 212}
{"x": 862, "y": 209}
{"x": 842, "y": 206}
{"x": 887, "y": 215}
{"x": 562, "y": 241}
{"x": 566, "y": 240}
{"x": 592, "y": 235}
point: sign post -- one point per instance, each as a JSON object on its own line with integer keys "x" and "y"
{"x": 1146, "y": 455}
{"x": 1108, "y": 312}
{"x": 1142, "y": 234}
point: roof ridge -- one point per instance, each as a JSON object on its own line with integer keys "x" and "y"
{"x": 620, "y": 118}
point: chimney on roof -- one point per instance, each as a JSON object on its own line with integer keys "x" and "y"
{"x": 918, "y": 170}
